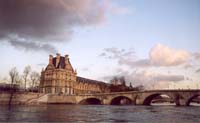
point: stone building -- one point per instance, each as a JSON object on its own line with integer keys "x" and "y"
{"x": 60, "y": 77}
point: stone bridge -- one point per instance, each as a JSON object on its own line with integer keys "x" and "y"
{"x": 179, "y": 97}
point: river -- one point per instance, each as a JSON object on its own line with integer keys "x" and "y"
{"x": 100, "y": 113}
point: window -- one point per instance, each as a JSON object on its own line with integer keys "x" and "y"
{"x": 66, "y": 90}
{"x": 57, "y": 90}
{"x": 47, "y": 90}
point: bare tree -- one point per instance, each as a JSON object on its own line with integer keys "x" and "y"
{"x": 122, "y": 80}
{"x": 114, "y": 81}
{"x": 14, "y": 74}
{"x": 35, "y": 78}
{"x": 118, "y": 80}
{"x": 25, "y": 75}
{"x": 18, "y": 80}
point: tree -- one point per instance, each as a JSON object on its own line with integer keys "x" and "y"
{"x": 114, "y": 81}
{"x": 18, "y": 81}
{"x": 122, "y": 80}
{"x": 35, "y": 77}
{"x": 14, "y": 74}
{"x": 118, "y": 81}
{"x": 25, "y": 75}
{"x": 130, "y": 86}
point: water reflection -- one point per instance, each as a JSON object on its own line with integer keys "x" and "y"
{"x": 99, "y": 113}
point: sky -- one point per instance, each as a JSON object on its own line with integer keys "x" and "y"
{"x": 154, "y": 43}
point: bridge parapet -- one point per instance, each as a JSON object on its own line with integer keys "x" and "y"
{"x": 180, "y": 97}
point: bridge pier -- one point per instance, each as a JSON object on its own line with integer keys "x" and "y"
{"x": 139, "y": 101}
{"x": 180, "y": 99}
{"x": 182, "y": 102}
{"x": 106, "y": 102}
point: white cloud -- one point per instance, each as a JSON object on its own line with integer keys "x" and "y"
{"x": 161, "y": 55}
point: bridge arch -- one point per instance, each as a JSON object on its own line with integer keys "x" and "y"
{"x": 191, "y": 99}
{"x": 148, "y": 100}
{"x": 91, "y": 101}
{"x": 121, "y": 100}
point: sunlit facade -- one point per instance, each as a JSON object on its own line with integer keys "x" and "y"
{"x": 60, "y": 77}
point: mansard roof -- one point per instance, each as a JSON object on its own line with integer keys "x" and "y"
{"x": 61, "y": 63}
{"x": 90, "y": 81}
{"x": 50, "y": 67}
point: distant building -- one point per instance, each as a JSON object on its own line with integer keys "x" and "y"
{"x": 118, "y": 81}
{"x": 60, "y": 77}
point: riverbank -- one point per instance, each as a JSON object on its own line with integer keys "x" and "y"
{"x": 20, "y": 98}
{"x": 30, "y": 98}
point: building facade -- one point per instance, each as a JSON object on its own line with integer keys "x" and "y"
{"x": 60, "y": 77}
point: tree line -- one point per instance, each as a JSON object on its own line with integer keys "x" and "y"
{"x": 27, "y": 81}
{"x": 119, "y": 84}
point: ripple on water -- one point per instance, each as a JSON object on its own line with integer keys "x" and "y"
{"x": 100, "y": 113}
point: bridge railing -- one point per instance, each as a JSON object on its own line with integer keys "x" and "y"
{"x": 144, "y": 91}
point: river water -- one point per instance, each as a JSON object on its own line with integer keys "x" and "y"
{"x": 100, "y": 113}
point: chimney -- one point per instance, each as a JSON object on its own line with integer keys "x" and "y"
{"x": 66, "y": 57}
{"x": 57, "y": 59}
{"x": 75, "y": 71}
{"x": 66, "y": 60}
{"x": 50, "y": 59}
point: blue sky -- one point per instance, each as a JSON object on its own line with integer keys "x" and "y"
{"x": 140, "y": 25}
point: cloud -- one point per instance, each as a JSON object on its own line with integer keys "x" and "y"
{"x": 102, "y": 54}
{"x": 197, "y": 55}
{"x": 137, "y": 63}
{"x": 198, "y": 71}
{"x": 44, "y": 21}
{"x": 115, "y": 53}
{"x": 115, "y": 9}
{"x": 161, "y": 55}
{"x": 169, "y": 78}
{"x": 31, "y": 45}
{"x": 147, "y": 79}
{"x": 187, "y": 66}
{"x": 118, "y": 54}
